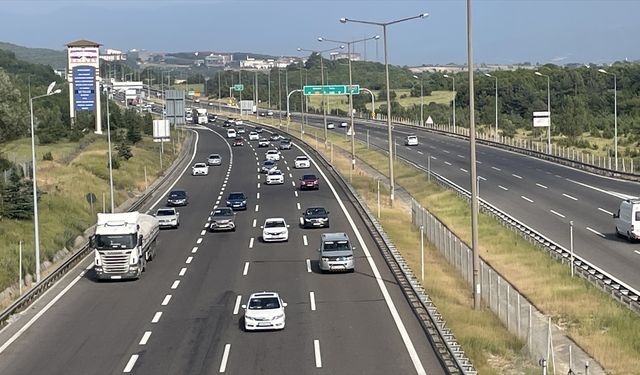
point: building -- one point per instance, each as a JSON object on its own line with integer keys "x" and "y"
{"x": 218, "y": 59}
{"x": 113, "y": 55}
{"x": 355, "y": 56}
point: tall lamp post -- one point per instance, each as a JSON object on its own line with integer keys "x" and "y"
{"x": 353, "y": 130}
{"x": 386, "y": 71}
{"x": 453, "y": 81}
{"x": 615, "y": 115}
{"x": 324, "y": 106}
{"x": 495, "y": 138}
{"x": 421, "y": 99}
{"x": 50, "y": 91}
{"x": 548, "y": 110}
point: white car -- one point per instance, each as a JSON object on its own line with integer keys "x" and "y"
{"x": 270, "y": 113}
{"x": 240, "y": 130}
{"x": 275, "y": 229}
{"x": 272, "y": 155}
{"x": 214, "y": 159}
{"x": 239, "y": 122}
{"x": 231, "y": 133}
{"x": 343, "y": 125}
{"x": 411, "y": 140}
{"x": 275, "y": 177}
{"x": 263, "y": 142}
{"x": 168, "y": 217}
{"x": 302, "y": 162}
{"x": 199, "y": 169}
{"x": 264, "y": 310}
{"x": 253, "y": 136}
{"x": 331, "y": 125}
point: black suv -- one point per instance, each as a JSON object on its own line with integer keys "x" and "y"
{"x": 315, "y": 217}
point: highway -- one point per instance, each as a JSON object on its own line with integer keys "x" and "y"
{"x": 543, "y": 195}
{"x": 184, "y": 317}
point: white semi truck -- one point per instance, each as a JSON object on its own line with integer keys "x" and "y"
{"x": 199, "y": 116}
{"x": 124, "y": 243}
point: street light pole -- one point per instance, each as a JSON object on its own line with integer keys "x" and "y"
{"x": 36, "y": 225}
{"x": 386, "y": 71}
{"x": 615, "y": 115}
{"x": 548, "y": 110}
{"x": 353, "y": 130}
{"x": 421, "y": 99}
{"x": 495, "y": 138}
{"x": 453, "y": 82}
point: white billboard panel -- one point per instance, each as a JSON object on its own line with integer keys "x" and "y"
{"x": 541, "y": 122}
{"x": 161, "y": 130}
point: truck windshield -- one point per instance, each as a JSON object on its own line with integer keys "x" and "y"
{"x": 115, "y": 241}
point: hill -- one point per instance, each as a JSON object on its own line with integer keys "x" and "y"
{"x": 57, "y": 59}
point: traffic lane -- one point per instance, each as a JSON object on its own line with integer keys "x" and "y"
{"x": 105, "y": 312}
{"x": 363, "y": 287}
{"x": 190, "y": 336}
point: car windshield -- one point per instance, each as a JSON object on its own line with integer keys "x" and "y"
{"x": 336, "y": 246}
{"x": 316, "y": 211}
{"x": 214, "y": 156}
{"x": 276, "y": 172}
{"x": 638, "y": 216}
{"x": 264, "y": 303}
{"x": 274, "y": 224}
{"x": 199, "y": 165}
{"x": 269, "y": 163}
{"x": 236, "y": 196}
{"x": 177, "y": 194}
{"x": 301, "y": 158}
{"x": 222, "y": 212}
{"x": 113, "y": 241}
{"x": 165, "y": 212}
{"x": 309, "y": 177}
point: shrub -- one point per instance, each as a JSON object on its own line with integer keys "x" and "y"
{"x": 47, "y": 156}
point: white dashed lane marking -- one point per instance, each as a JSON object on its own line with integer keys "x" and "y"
{"x": 542, "y": 186}
{"x": 316, "y": 350}
{"x": 182, "y": 271}
{"x": 131, "y": 363}
{"x": 526, "y": 199}
{"x": 595, "y": 232}
{"x": 246, "y": 269}
{"x": 156, "y": 317}
{"x": 236, "y": 307}
{"x": 145, "y": 338}
{"x": 189, "y": 259}
{"x": 605, "y": 211}
{"x": 175, "y": 284}
{"x": 312, "y": 298}
{"x": 225, "y": 358}
{"x": 556, "y": 213}
{"x": 166, "y": 300}
{"x": 251, "y": 243}
{"x": 308, "y": 265}
{"x": 516, "y": 176}
{"x": 254, "y": 223}
{"x": 497, "y": 169}
{"x": 447, "y": 163}
{"x": 462, "y": 169}
{"x": 503, "y": 188}
{"x": 570, "y": 197}
{"x": 304, "y": 240}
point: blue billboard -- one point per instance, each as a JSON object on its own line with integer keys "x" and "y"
{"x": 84, "y": 88}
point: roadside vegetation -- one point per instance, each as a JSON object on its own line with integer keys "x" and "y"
{"x": 604, "y": 328}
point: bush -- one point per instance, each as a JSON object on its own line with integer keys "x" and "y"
{"x": 47, "y": 156}
{"x": 115, "y": 162}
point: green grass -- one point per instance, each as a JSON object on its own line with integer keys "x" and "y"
{"x": 604, "y": 328}
{"x": 77, "y": 169}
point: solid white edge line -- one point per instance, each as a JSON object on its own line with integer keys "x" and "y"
{"x": 413, "y": 354}
{"x": 308, "y": 265}
{"x": 316, "y": 351}
{"x": 246, "y": 269}
{"x": 596, "y": 232}
{"x": 41, "y": 312}
{"x": 225, "y": 358}
{"x": 312, "y": 298}
{"x": 236, "y": 307}
{"x": 131, "y": 363}
{"x": 145, "y": 338}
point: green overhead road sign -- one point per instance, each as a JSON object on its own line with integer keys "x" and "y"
{"x": 331, "y": 90}
{"x": 238, "y": 87}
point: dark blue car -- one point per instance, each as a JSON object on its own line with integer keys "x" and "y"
{"x": 237, "y": 201}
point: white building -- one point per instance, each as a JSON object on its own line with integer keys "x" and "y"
{"x": 218, "y": 59}
{"x": 113, "y": 55}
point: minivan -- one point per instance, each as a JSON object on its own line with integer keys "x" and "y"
{"x": 627, "y": 219}
{"x": 336, "y": 253}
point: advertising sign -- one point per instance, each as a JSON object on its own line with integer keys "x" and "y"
{"x": 161, "y": 130}
{"x": 541, "y": 119}
{"x": 84, "y": 90}
{"x": 79, "y": 56}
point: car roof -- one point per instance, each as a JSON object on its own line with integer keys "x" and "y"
{"x": 272, "y": 151}
{"x": 274, "y": 219}
{"x": 339, "y": 236}
{"x": 302, "y": 157}
{"x": 199, "y": 165}
{"x": 165, "y": 209}
{"x": 214, "y": 156}
{"x": 177, "y": 191}
{"x": 263, "y": 294}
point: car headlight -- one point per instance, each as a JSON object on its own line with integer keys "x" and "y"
{"x": 228, "y": 202}
{"x": 325, "y": 259}
{"x": 244, "y": 201}
{"x": 324, "y": 219}
{"x": 247, "y": 317}
{"x": 279, "y": 316}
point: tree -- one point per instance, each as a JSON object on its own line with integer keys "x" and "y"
{"x": 124, "y": 150}
{"x": 17, "y": 198}
{"x": 13, "y": 122}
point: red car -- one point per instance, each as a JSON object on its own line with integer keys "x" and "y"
{"x": 238, "y": 142}
{"x": 309, "y": 181}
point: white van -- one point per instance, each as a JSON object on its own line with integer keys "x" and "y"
{"x": 627, "y": 219}
{"x": 231, "y": 133}
{"x": 411, "y": 140}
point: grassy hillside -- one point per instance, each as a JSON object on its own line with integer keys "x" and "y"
{"x": 57, "y": 59}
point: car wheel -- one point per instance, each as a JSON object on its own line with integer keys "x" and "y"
{"x": 234, "y": 229}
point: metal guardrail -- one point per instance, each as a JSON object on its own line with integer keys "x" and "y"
{"x": 35, "y": 292}
{"x": 448, "y": 349}
{"x": 621, "y": 292}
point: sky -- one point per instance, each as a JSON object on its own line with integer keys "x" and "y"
{"x": 504, "y": 31}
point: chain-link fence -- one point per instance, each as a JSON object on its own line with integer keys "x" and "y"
{"x": 544, "y": 342}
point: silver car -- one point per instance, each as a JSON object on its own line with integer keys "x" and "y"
{"x": 336, "y": 253}
{"x": 223, "y": 218}
{"x": 214, "y": 159}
